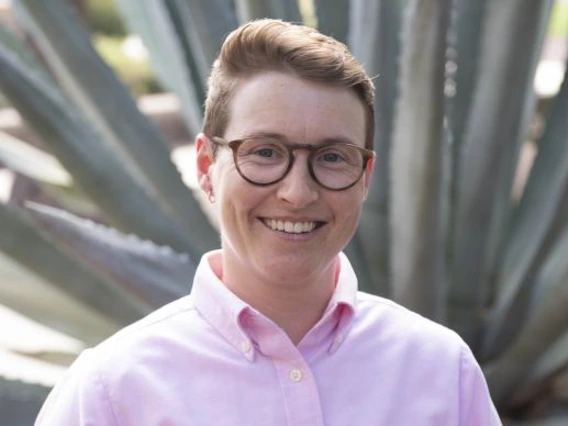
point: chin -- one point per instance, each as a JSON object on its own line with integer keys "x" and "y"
{"x": 292, "y": 267}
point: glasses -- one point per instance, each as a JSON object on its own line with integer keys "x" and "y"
{"x": 264, "y": 161}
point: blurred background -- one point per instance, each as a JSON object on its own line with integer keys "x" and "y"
{"x": 467, "y": 221}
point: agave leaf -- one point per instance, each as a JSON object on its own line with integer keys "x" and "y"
{"x": 543, "y": 377}
{"x": 374, "y": 39}
{"x": 31, "y": 162}
{"x": 191, "y": 63}
{"x": 333, "y": 18}
{"x": 20, "y": 402}
{"x": 204, "y": 24}
{"x": 553, "y": 420}
{"x": 287, "y": 10}
{"x": 95, "y": 168}
{"x": 21, "y": 241}
{"x": 498, "y": 123}
{"x": 107, "y": 102}
{"x": 148, "y": 273}
{"x": 62, "y": 359}
{"x": 532, "y": 228}
{"x": 504, "y": 211}
{"x": 465, "y": 44}
{"x": 10, "y": 41}
{"x": 463, "y": 55}
{"x": 561, "y": 388}
{"x": 73, "y": 199}
{"x": 547, "y": 323}
{"x": 417, "y": 154}
{"x": 15, "y": 366}
{"x": 152, "y": 21}
{"x": 36, "y": 298}
{"x": 554, "y": 359}
{"x": 46, "y": 170}
{"x": 356, "y": 255}
{"x": 21, "y": 334}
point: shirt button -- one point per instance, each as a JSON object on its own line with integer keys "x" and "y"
{"x": 295, "y": 375}
{"x": 245, "y": 346}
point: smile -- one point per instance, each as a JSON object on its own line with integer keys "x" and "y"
{"x": 291, "y": 227}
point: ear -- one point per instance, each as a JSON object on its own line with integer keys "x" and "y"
{"x": 204, "y": 158}
{"x": 368, "y": 173}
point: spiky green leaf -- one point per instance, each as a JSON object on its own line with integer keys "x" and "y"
{"x": 287, "y": 10}
{"x": 417, "y": 153}
{"x": 24, "y": 243}
{"x": 32, "y": 162}
{"x": 35, "y": 297}
{"x": 107, "y": 102}
{"x": 498, "y": 123}
{"x": 148, "y": 273}
{"x": 153, "y": 23}
{"x": 204, "y": 24}
{"x": 547, "y": 323}
{"x": 533, "y": 229}
{"x": 333, "y": 18}
{"x": 94, "y": 167}
{"x": 374, "y": 39}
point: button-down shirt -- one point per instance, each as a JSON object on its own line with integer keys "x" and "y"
{"x": 211, "y": 359}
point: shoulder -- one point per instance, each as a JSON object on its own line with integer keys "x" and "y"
{"x": 106, "y": 380}
{"x": 150, "y": 341}
{"x": 389, "y": 323}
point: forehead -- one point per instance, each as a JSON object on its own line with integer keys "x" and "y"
{"x": 295, "y": 109}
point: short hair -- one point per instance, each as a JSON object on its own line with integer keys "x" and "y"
{"x": 274, "y": 45}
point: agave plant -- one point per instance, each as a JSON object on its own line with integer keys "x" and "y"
{"x": 441, "y": 231}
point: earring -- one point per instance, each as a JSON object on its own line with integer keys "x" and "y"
{"x": 211, "y": 197}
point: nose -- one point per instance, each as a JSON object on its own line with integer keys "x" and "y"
{"x": 298, "y": 188}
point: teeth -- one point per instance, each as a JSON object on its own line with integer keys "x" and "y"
{"x": 290, "y": 227}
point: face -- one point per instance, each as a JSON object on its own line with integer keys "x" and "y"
{"x": 317, "y": 222}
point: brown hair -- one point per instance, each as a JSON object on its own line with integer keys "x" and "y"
{"x": 275, "y": 45}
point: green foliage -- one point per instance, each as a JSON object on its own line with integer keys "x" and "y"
{"x": 440, "y": 231}
{"x": 136, "y": 73}
{"x": 559, "y": 20}
{"x": 103, "y": 17}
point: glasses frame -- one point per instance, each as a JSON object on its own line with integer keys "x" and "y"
{"x": 291, "y": 147}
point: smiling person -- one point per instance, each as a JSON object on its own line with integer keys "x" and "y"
{"x": 274, "y": 331}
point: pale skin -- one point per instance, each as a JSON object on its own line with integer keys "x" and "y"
{"x": 289, "y": 278}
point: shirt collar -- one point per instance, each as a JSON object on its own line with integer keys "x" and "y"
{"x": 224, "y": 311}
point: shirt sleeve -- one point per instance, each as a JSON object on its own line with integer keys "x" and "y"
{"x": 80, "y": 399}
{"x": 476, "y": 407}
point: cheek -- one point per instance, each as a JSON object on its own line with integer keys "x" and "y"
{"x": 350, "y": 207}
{"x": 237, "y": 202}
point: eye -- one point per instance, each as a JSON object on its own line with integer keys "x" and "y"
{"x": 339, "y": 156}
{"x": 331, "y": 157}
{"x": 266, "y": 152}
{"x": 262, "y": 151}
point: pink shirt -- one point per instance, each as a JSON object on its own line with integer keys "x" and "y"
{"x": 211, "y": 359}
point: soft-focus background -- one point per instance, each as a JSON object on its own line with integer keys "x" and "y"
{"x": 466, "y": 222}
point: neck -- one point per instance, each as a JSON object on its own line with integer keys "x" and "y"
{"x": 295, "y": 305}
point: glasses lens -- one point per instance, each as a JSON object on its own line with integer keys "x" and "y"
{"x": 262, "y": 160}
{"x": 338, "y": 166}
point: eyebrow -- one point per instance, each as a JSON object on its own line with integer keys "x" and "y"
{"x": 282, "y": 138}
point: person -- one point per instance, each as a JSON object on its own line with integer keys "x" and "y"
{"x": 274, "y": 331}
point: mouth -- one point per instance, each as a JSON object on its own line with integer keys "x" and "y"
{"x": 289, "y": 227}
